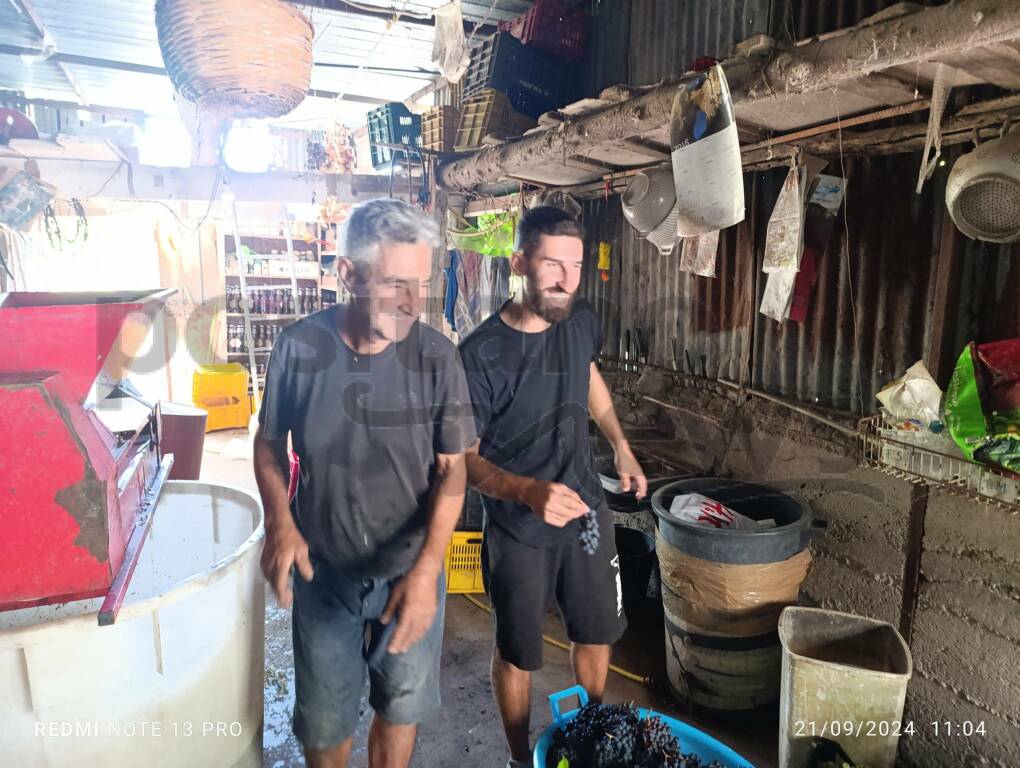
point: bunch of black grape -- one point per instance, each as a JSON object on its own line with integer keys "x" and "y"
{"x": 589, "y": 535}
{"x": 616, "y": 736}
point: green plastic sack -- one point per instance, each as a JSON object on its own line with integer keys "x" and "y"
{"x": 494, "y": 235}
{"x": 983, "y": 403}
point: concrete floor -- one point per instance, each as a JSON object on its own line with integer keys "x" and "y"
{"x": 468, "y": 730}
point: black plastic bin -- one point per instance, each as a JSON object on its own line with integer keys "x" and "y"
{"x": 534, "y": 81}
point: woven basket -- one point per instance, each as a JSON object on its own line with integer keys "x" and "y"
{"x": 245, "y": 58}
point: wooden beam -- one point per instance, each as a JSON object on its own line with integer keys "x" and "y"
{"x": 815, "y": 66}
{"x": 649, "y": 149}
{"x": 903, "y": 138}
{"x": 588, "y": 164}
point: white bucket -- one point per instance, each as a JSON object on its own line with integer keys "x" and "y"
{"x": 177, "y": 680}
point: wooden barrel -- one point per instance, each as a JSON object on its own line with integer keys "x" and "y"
{"x": 723, "y": 591}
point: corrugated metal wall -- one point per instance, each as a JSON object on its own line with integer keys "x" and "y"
{"x": 872, "y": 309}
{"x": 642, "y": 41}
{"x": 870, "y": 312}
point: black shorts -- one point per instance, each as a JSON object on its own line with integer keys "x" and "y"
{"x": 523, "y": 581}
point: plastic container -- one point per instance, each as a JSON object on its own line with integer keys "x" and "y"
{"x": 439, "y": 128}
{"x": 488, "y": 112}
{"x": 692, "y": 741}
{"x": 464, "y": 563}
{"x": 212, "y": 381}
{"x": 723, "y": 591}
{"x": 177, "y": 680}
{"x": 637, "y": 561}
{"x": 231, "y": 416}
{"x": 391, "y": 123}
{"x": 472, "y": 518}
{"x": 792, "y": 516}
{"x": 553, "y": 28}
{"x": 534, "y": 81}
{"x": 841, "y": 672}
{"x": 182, "y": 433}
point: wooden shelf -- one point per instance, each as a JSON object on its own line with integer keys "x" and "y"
{"x": 274, "y": 277}
{"x": 255, "y": 316}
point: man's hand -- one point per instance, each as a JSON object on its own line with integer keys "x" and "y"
{"x": 284, "y": 549}
{"x": 555, "y": 503}
{"x": 414, "y": 602}
{"x": 632, "y": 477}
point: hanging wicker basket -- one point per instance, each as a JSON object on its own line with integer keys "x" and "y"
{"x": 245, "y": 58}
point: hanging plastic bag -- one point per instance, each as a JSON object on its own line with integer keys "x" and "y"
{"x": 705, "y": 151}
{"x": 450, "y": 50}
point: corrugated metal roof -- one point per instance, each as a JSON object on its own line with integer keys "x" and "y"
{"x": 125, "y": 31}
{"x": 40, "y": 79}
{"x": 16, "y": 28}
{"x": 474, "y": 10}
{"x": 121, "y": 30}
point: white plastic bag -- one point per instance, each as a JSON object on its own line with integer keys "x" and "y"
{"x": 450, "y": 50}
{"x": 915, "y": 395}
{"x": 701, "y": 510}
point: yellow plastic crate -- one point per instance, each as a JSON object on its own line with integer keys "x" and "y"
{"x": 464, "y": 563}
{"x": 213, "y": 381}
{"x": 232, "y": 416}
{"x": 222, "y": 392}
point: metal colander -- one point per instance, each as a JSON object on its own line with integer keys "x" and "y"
{"x": 990, "y": 208}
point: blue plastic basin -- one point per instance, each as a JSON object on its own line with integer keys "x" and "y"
{"x": 691, "y": 739}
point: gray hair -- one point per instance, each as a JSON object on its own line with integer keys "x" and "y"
{"x": 385, "y": 221}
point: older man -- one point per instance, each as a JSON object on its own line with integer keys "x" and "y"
{"x": 374, "y": 403}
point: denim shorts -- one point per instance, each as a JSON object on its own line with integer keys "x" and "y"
{"x": 335, "y": 620}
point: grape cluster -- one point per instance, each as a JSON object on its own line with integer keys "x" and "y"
{"x": 589, "y": 534}
{"x": 616, "y": 736}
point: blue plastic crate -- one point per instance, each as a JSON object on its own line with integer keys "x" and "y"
{"x": 691, "y": 739}
{"x": 391, "y": 123}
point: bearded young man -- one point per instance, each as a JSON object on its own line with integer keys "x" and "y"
{"x": 375, "y": 404}
{"x": 533, "y": 382}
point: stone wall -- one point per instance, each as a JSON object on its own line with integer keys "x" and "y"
{"x": 965, "y": 637}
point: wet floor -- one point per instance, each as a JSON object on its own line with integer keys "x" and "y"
{"x": 467, "y": 732}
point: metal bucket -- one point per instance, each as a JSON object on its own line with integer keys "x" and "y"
{"x": 723, "y": 591}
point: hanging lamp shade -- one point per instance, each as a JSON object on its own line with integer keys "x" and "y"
{"x": 243, "y": 58}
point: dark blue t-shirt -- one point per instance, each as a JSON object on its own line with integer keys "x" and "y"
{"x": 529, "y": 392}
{"x": 366, "y": 429}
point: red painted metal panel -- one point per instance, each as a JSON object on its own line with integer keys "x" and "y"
{"x": 54, "y": 508}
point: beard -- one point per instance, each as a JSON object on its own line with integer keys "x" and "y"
{"x": 548, "y": 310}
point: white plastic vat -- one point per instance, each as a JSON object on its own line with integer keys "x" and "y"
{"x": 177, "y": 680}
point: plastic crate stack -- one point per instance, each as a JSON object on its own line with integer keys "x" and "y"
{"x": 485, "y": 113}
{"x": 533, "y": 80}
{"x": 391, "y": 123}
{"x": 553, "y": 28}
{"x": 439, "y": 128}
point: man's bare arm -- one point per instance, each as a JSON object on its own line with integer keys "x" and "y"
{"x": 600, "y": 406}
{"x": 285, "y": 547}
{"x": 555, "y": 503}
